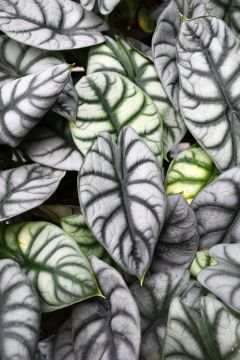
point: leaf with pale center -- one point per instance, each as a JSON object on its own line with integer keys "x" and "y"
{"x": 122, "y": 199}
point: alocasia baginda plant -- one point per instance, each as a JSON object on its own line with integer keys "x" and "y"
{"x": 107, "y": 249}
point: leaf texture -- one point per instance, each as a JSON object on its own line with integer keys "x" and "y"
{"x": 51, "y": 259}
{"x": 107, "y": 328}
{"x": 122, "y": 199}
{"x": 20, "y": 313}
{"x": 63, "y": 343}
{"x": 50, "y": 25}
{"x": 26, "y": 187}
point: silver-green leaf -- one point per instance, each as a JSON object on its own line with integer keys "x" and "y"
{"x": 108, "y": 328}
{"x": 223, "y": 278}
{"x": 55, "y": 25}
{"x": 208, "y": 58}
{"x": 63, "y": 343}
{"x": 122, "y": 199}
{"x": 52, "y": 260}
{"x": 26, "y": 187}
{"x": 19, "y": 313}
{"x": 217, "y": 210}
{"x": 213, "y": 335}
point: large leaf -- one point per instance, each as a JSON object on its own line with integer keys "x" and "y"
{"x": 178, "y": 241}
{"x": 51, "y": 259}
{"x": 26, "y": 100}
{"x": 108, "y": 102}
{"x": 19, "y": 313}
{"x": 108, "y": 328}
{"x": 223, "y": 279}
{"x": 189, "y": 173}
{"x": 217, "y": 210}
{"x": 63, "y": 343}
{"x": 26, "y": 187}
{"x": 209, "y": 52}
{"x": 215, "y": 335}
{"x": 63, "y": 25}
{"x": 18, "y": 60}
{"x": 120, "y": 57}
{"x": 164, "y": 40}
{"x": 122, "y": 198}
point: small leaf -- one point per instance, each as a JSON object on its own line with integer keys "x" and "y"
{"x": 178, "y": 241}
{"x": 122, "y": 199}
{"x": 211, "y": 116}
{"x": 212, "y": 335}
{"x": 26, "y": 100}
{"x": 51, "y": 259}
{"x": 26, "y": 187}
{"x": 107, "y": 6}
{"x": 223, "y": 279}
{"x": 201, "y": 261}
{"x": 63, "y": 343}
{"x": 54, "y": 213}
{"x": 20, "y": 313}
{"x": 108, "y": 102}
{"x": 107, "y": 328}
{"x": 88, "y": 4}
{"x": 61, "y": 25}
{"x": 217, "y": 210}
{"x": 189, "y": 173}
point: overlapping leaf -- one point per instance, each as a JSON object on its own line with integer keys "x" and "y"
{"x": 55, "y": 25}
{"x": 26, "y": 100}
{"x": 51, "y": 259}
{"x": 63, "y": 346}
{"x": 208, "y": 54}
{"x": 122, "y": 198}
{"x": 118, "y": 56}
{"x": 26, "y": 187}
{"x": 18, "y": 60}
{"x": 231, "y": 10}
{"x": 107, "y": 328}
{"x": 141, "y": 47}
{"x": 223, "y": 279}
{"x": 45, "y": 349}
{"x": 178, "y": 241}
{"x": 108, "y": 102}
{"x": 19, "y": 313}
{"x": 217, "y": 210}
{"x": 189, "y": 173}
{"x": 164, "y": 40}
{"x": 215, "y": 334}
{"x": 54, "y": 213}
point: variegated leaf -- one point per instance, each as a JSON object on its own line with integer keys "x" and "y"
{"x": 231, "y": 10}
{"x": 141, "y": 47}
{"x": 50, "y": 25}
{"x": 52, "y": 260}
{"x": 26, "y": 187}
{"x": 63, "y": 343}
{"x": 118, "y": 56}
{"x": 178, "y": 241}
{"x": 88, "y": 4}
{"x": 26, "y": 100}
{"x": 189, "y": 173}
{"x": 223, "y": 278}
{"x": 208, "y": 55}
{"x": 18, "y": 60}
{"x": 108, "y": 328}
{"x": 201, "y": 261}
{"x": 45, "y": 349}
{"x": 122, "y": 199}
{"x": 214, "y": 334}
{"x": 108, "y": 102}
{"x": 19, "y": 313}
{"x": 217, "y": 210}
{"x": 164, "y": 40}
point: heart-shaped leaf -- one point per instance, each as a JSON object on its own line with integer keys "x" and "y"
{"x": 18, "y": 60}
{"x": 178, "y": 241}
{"x": 51, "y": 259}
{"x": 122, "y": 198}
{"x": 63, "y": 343}
{"x": 26, "y": 100}
{"x": 189, "y": 173}
{"x": 107, "y": 328}
{"x": 164, "y": 40}
{"x": 63, "y": 25}
{"x": 223, "y": 279}
{"x": 209, "y": 51}
{"x": 217, "y": 210}
{"x": 212, "y": 335}
{"x": 108, "y": 102}
{"x": 120, "y": 57}
{"x": 26, "y": 187}
{"x": 20, "y": 313}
